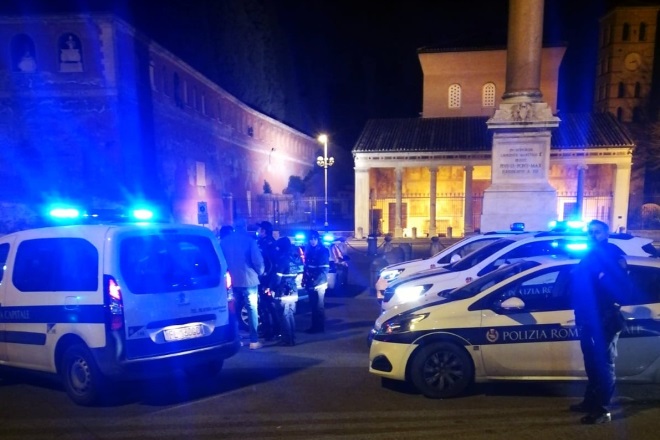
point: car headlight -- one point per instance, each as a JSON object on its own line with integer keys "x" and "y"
{"x": 411, "y": 293}
{"x": 401, "y": 324}
{"x": 390, "y": 274}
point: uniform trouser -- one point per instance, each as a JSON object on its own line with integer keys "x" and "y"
{"x": 287, "y": 311}
{"x": 316, "y": 303}
{"x": 599, "y": 351}
{"x": 270, "y": 325}
{"x": 251, "y": 300}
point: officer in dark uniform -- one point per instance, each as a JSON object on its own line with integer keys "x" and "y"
{"x": 267, "y": 306}
{"x": 315, "y": 280}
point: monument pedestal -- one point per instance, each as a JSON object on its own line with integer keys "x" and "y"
{"x": 520, "y": 191}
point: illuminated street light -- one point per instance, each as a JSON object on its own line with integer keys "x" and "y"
{"x": 325, "y": 162}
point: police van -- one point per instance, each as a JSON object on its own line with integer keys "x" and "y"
{"x": 515, "y": 323}
{"x": 94, "y": 303}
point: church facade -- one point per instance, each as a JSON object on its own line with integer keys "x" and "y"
{"x": 429, "y": 174}
{"x": 94, "y": 113}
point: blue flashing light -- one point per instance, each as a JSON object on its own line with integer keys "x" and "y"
{"x": 328, "y": 238}
{"x": 579, "y": 247}
{"x": 143, "y": 214}
{"x": 300, "y": 236}
{"x": 64, "y": 213}
{"x": 567, "y": 225}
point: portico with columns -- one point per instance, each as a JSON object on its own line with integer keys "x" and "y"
{"x": 528, "y": 161}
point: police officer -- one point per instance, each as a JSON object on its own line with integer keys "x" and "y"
{"x": 267, "y": 307}
{"x": 315, "y": 280}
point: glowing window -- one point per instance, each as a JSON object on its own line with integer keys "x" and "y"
{"x": 488, "y": 95}
{"x": 454, "y": 96}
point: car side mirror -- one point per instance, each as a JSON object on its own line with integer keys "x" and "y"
{"x": 513, "y": 303}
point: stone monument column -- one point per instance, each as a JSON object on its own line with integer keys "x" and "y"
{"x": 520, "y": 190}
{"x": 432, "y": 200}
{"x": 398, "y": 175}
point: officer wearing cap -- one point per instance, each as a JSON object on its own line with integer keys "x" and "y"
{"x": 315, "y": 280}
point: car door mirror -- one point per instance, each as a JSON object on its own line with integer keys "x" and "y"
{"x": 513, "y": 303}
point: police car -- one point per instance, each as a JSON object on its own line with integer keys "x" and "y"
{"x": 449, "y": 255}
{"x": 94, "y": 303}
{"x": 405, "y": 290}
{"x": 515, "y": 323}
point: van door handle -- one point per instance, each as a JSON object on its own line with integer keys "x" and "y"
{"x": 71, "y": 302}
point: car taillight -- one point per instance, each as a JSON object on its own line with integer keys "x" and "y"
{"x": 228, "y": 280}
{"x": 231, "y": 302}
{"x": 114, "y": 303}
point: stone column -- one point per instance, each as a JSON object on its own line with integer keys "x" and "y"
{"x": 468, "y": 215}
{"x": 520, "y": 190}
{"x": 524, "y": 44}
{"x": 432, "y": 198}
{"x": 621, "y": 196}
{"x": 398, "y": 230}
{"x": 362, "y": 202}
{"x": 579, "y": 199}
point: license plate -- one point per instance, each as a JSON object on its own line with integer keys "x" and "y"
{"x": 181, "y": 333}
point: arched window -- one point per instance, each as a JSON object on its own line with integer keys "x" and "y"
{"x": 488, "y": 95}
{"x": 638, "y": 90}
{"x": 454, "y": 96}
{"x": 619, "y": 114}
{"x": 23, "y": 56}
{"x": 625, "y": 35}
{"x": 642, "y": 31}
{"x": 622, "y": 90}
{"x": 70, "y": 53}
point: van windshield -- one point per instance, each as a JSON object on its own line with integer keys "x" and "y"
{"x": 169, "y": 263}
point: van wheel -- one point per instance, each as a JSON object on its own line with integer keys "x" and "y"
{"x": 83, "y": 382}
{"x": 441, "y": 370}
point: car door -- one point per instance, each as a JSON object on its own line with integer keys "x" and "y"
{"x": 639, "y": 343}
{"x": 528, "y": 325}
{"x": 4, "y": 253}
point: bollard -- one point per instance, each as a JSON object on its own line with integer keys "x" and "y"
{"x": 372, "y": 245}
{"x": 449, "y": 232}
{"x": 414, "y": 232}
{"x": 360, "y": 232}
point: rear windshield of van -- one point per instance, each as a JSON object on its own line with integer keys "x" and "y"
{"x": 169, "y": 263}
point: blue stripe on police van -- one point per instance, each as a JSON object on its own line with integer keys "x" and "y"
{"x": 27, "y": 338}
{"x": 83, "y": 314}
{"x": 519, "y": 334}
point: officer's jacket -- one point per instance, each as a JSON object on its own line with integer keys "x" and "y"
{"x": 317, "y": 266}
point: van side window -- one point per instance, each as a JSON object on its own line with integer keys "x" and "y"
{"x": 56, "y": 264}
{"x": 4, "y": 252}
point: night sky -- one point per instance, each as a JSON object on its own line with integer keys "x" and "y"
{"x": 330, "y": 65}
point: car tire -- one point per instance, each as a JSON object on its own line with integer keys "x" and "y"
{"x": 441, "y": 370}
{"x": 83, "y": 381}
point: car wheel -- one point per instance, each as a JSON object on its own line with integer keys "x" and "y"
{"x": 83, "y": 381}
{"x": 244, "y": 322}
{"x": 441, "y": 370}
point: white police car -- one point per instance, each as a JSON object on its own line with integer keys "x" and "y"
{"x": 103, "y": 302}
{"x": 406, "y": 290}
{"x": 449, "y": 255}
{"x": 515, "y": 323}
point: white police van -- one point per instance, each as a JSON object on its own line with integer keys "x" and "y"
{"x": 103, "y": 302}
{"x": 515, "y": 323}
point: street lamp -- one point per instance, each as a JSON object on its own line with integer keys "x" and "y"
{"x": 325, "y": 162}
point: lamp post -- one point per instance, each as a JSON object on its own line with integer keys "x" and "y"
{"x": 325, "y": 162}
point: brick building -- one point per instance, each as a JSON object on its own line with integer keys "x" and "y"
{"x": 94, "y": 113}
